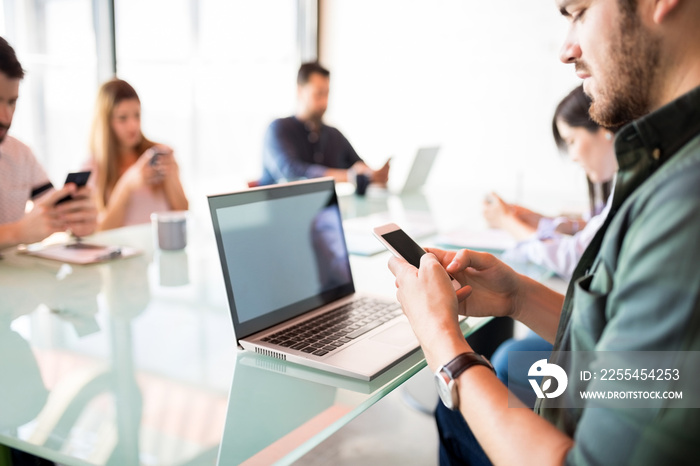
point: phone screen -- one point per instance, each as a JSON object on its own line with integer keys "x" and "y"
{"x": 405, "y": 246}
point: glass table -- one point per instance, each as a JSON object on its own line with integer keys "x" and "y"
{"x": 134, "y": 361}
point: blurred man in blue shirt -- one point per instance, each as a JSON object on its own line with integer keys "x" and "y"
{"x": 302, "y": 146}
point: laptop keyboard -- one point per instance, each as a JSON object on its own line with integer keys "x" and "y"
{"x": 330, "y": 331}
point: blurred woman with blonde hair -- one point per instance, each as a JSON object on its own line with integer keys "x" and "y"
{"x": 133, "y": 176}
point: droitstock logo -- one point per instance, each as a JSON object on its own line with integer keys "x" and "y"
{"x": 542, "y": 368}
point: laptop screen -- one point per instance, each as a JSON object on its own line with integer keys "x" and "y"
{"x": 420, "y": 169}
{"x": 282, "y": 252}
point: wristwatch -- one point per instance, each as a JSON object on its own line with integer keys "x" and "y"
{"x": 445, "y": 376}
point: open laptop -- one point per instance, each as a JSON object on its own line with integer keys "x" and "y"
{"x": 420, "y": 169}
{"x": 289, "y": 284}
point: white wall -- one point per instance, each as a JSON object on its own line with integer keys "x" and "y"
{"x": 480, "y": 78}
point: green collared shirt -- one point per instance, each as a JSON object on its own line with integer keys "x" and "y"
{"x": 637, "y": 288}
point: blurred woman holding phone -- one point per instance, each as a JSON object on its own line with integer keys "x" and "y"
{"x": 133, "y": 176}
{"x": 557, "y": 243}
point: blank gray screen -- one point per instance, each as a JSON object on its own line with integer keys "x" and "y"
{"x": 282, "y": 251}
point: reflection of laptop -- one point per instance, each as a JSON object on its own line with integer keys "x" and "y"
{"x": 420, "y": 169}
{"x": 265, "y": 411}
{"x": 319, "y": 377}
{"x": 285, "y": 262}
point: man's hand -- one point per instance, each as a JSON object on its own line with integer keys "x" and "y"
{"x": 490, "y": 285}
{"x": 490, "y": 288}
{"x": 79, "y": 215}
{"x": 381, "y": 176}
{"x": 44, "y": 219}
{"x": 430, "y": 304}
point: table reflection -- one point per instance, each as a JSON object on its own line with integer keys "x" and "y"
{"x": 93, "y": 371}
{"x": 303, "y": 401}
{"x": 23, "y": 400}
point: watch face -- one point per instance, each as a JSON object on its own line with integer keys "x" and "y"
{"x": 445, "y": 391}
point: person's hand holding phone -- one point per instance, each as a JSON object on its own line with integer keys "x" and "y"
{"x": 431, "y": 306}
{"x": 79, "y": 214}
{"x": 146, "y": 171}
{"x": 164, "y": 162}
{"x": 161, "y": 164}
{"x": 429, "y": 302}
{"x": 150, "y": 166}
{"x": 491, "y": 287}
{"x": 44, "y": 219}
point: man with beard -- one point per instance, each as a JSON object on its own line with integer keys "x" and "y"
{"x": 23, "y": 179}
{"x": 302, "y": 146}
{"x": 634, "y": 294}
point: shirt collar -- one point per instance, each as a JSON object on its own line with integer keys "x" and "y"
{"x": 661, "y": 133}
{"x": 303, "y": 123}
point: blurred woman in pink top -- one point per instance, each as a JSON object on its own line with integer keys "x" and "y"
{"x": 133, "y": 176}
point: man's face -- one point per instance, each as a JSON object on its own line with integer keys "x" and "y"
{"x": 615, "y": 55}
{"x": 9, "y": 92}
{"x": 313, "y": 96}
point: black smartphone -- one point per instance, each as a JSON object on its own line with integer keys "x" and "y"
{"x": 80, "y": 180}
{"x": 401, "y": 245}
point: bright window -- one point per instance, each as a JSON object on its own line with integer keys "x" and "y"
{"x": 211, "y": 75}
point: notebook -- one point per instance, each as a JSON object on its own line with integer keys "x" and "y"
{"x": 83, "y": 253}
{"x": 290, "y": 288}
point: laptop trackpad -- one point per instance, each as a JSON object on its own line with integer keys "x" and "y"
{"x": 399, "y": 335}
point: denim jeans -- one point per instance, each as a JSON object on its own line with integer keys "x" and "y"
{"x": 458, "y": 446}
{"x": 517, "y": 381}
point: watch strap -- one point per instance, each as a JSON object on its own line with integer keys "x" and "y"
{"x": 464, "y": 361}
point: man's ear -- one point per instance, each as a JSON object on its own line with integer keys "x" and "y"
{"x": 662, "y": 8}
